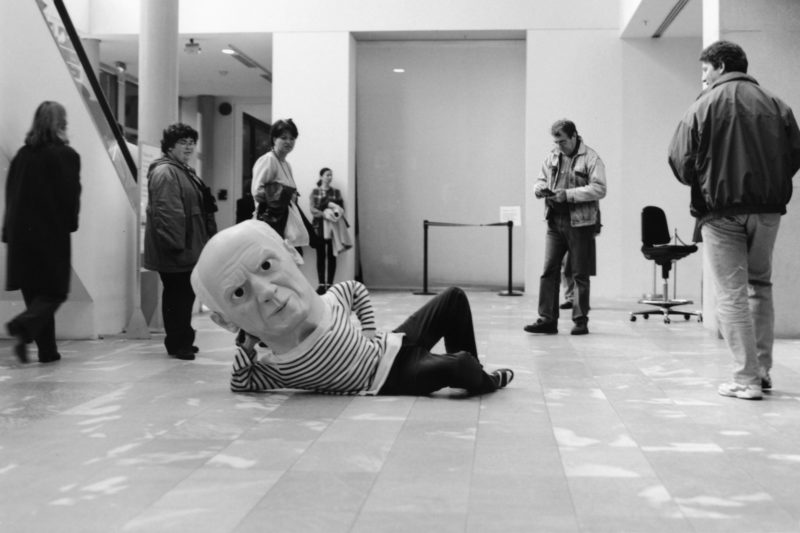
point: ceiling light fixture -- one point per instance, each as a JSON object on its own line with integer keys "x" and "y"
{"x": 398, "y": 70}
{"x": 670, "y": 18}
{"x": 192, "y": 47}
{"x": 247, "y": 61}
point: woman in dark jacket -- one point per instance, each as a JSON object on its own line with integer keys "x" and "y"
{"x": 42, "y": 205}
{"x": 180, "y": 220}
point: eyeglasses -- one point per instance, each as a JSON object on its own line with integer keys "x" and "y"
{"x": 186, "y": 142}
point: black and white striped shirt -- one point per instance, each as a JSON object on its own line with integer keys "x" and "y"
{"x": 342, "y": 356}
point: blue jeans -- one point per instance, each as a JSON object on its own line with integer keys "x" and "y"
{"x": 579, "y": 242}
{"x": 739, "y": 253}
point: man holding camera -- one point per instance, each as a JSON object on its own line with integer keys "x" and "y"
{"x": 572, "y": 181}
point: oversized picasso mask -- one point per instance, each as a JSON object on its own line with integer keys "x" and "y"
{"x": 248, "y": 276}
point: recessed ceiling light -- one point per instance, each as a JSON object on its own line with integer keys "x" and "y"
{"x": 399, "y": 70}
{"x": 228, "y": 51}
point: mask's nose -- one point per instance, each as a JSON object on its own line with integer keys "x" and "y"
{"x": 263, "y": 289}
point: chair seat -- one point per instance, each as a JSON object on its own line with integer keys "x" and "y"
{"x": 667, "y": 252}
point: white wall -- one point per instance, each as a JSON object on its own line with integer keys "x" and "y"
{"x": 444, "y": 142}
{"x": 625, "y": 98}
{"x": 316, "y": 90}
{"x": 661, "y": 78}
{"x": 102, "y": 250}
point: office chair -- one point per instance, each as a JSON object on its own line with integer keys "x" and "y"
{"x": 656, "y": 247}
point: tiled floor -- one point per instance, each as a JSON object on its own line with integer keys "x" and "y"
{"x": 617, "y": 431}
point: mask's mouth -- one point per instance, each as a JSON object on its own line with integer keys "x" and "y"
{"x": 280, "y": 307}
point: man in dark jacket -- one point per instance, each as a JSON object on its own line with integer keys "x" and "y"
{"x": 738, "y": 147}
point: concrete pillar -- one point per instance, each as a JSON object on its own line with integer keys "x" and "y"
{"x": 158, "y": 68}
{"x": 158, "y": 106}
{"x": 710, "y": 21}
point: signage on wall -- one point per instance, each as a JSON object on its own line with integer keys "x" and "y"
{"x": 512, "y": 213}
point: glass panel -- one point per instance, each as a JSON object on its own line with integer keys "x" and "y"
{"x": 108, "y": 84}
{"x": 131, "y": 106}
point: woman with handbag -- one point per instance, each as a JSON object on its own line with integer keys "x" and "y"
{"x": 273, "y": 187}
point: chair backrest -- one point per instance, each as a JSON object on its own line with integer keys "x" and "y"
{"x": 654, "y": 226}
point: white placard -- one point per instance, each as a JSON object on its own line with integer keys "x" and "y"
{"x": 512, "y": 213}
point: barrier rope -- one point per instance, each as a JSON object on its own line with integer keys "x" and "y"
{"x": 427, "y": 223}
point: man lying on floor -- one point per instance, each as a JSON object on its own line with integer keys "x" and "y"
{"x": 249, "y": 278}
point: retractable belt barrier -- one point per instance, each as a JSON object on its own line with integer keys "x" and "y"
{"x": 427, "y": 223}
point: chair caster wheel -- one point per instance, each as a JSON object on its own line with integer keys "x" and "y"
{"x": 667, "y": 320}
{"x": 633, "y": 318}
{"x": 646, "y": 316}
{"x": 686, "y": 317}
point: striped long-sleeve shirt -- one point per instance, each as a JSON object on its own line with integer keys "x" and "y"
{"x": 340, "y": 356}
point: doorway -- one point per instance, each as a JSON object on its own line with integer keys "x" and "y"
{"x": 255, "y": 143}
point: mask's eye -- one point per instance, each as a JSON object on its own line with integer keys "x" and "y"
{"x": 238, "y": 293}
{"x": 266, "y": 265}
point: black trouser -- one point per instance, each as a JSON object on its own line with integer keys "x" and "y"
{"x": 325, "y": 255}
{"x": 37, "y": 323}
{"x": 417, "y": 371}
{"x": 177, "y": 300}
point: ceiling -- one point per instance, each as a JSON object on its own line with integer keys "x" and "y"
{"x": 213, "y": 73}
{"x": 210, "y": 72}
{"x": 675, "y": 18}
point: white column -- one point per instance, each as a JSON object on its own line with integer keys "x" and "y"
{"x": 158, "y": 106}
{"x": 710, "y": 21}
{"x": 158, "y": 68}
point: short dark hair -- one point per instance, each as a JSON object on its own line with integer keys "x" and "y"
{"x": 49, "y": 125}
{"x": 174, "y": 133}
{"x": 565, "y": 125}
{"x": 725, "y": 53}
{"x": 279, "y": 127}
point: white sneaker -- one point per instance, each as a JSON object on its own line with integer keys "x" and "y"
{"x": 743, "y": 392}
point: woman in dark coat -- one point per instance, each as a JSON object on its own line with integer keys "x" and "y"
{"x": 180, "y": 220}
{"x": 42, "y": 205}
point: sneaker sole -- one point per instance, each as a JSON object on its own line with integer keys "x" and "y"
{"x": 741, "y": 396}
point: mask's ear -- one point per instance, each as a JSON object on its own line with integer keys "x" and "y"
{"x": 222, "y": 322}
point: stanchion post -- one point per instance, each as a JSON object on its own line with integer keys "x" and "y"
{"x": 424, "y": 290}
{"x": 510, "y": 291}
